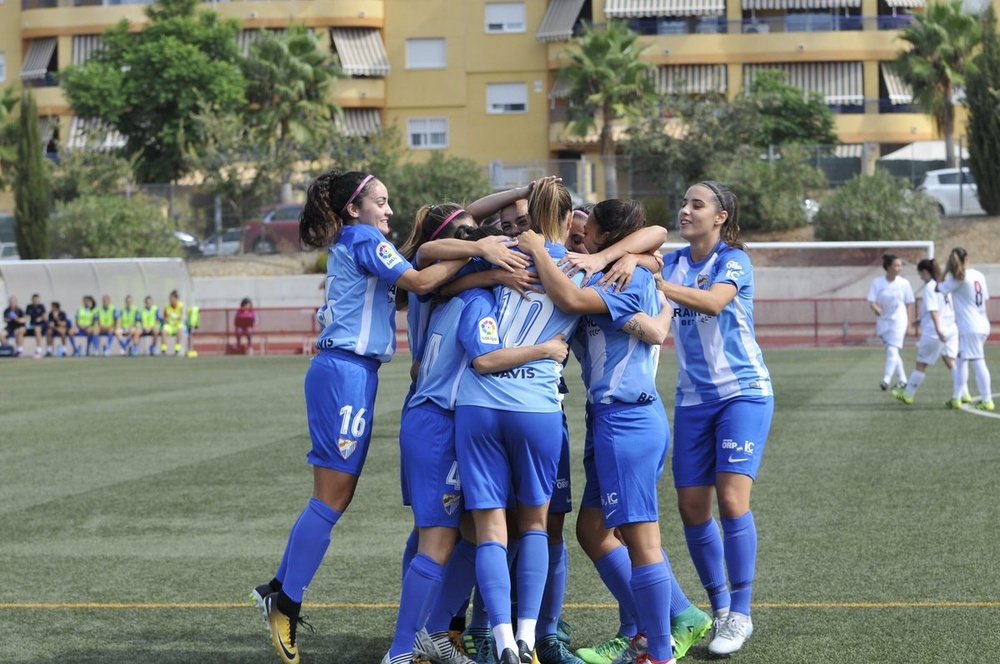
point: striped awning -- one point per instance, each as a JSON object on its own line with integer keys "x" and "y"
{"x": 800, "y": 4}
{"x": 908, "y": 4}
{"x": 690, "y": 79}
{"x": 359, "y": 122}
{"x": 640, "y": 8}
{"x": 92, "y": 134}
{"x": 36, "y": 61}
{"x": 559, "y": 19}
{"x": 840, "y": 83}
{"x": 85, "y": 47}
{"x": 361, "y": 51}
{"x": 247, "y": 38}
{"x": 47, "y": 126}
{"x": 899, "y": 92}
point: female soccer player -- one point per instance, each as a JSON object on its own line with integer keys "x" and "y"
{"x": 967, "y": 287}
{"x": 889, "y": 297}
{"x": 724, "y": 403}
{"x": 509, "y": 436}
{"x": 627, "y": 429}
{"x": 938, "y": 334}
{"x": 348, "y": 214}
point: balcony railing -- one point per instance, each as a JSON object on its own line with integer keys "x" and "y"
{"x": 707, "y": 25}
{"x": 50, "y": 4}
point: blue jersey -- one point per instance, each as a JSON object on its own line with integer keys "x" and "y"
{"x": 418, "y": 314}
{"x": 617, "y": 367}
{"x": 520, "y": 321}
{"x": 359, "y": 316}
{"x": 717, "y": 356}
{"x": 464, "y": 316}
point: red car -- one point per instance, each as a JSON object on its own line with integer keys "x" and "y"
{"x": 277, "y": 230}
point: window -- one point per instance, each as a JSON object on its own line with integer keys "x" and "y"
{"x": 506, "y": 98}
{"x": 3, "y": 67}
{"x": 426, "y": 54}
{"x": 504, "y": 17}
{"x": 427, "y": 133}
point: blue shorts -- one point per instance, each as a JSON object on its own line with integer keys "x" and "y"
{"x": 340, "y": 408}
{"x": 500, "y": 449}
{"x": 562, "y": 492}
{"x": 725, "y": 436}
{"x": 428, "y": 465}
{"x": 623, "y": 459}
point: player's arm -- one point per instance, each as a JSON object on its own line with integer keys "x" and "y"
{"x": 564, "y": 293}
{"x": 493, "y": 249}
{"x": 520, "y": 281}
{"x": 487, "y": 205}
{"x": 414, "y": 370}
{"x": 710, "y": 302}
{"x": 508, "y": 358}
{"x": 646, "y": 240}
{"x": 429, "y": 278}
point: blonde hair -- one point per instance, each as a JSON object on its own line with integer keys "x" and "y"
{"x": 548, "y": 207}
{"x": 956, "y": 263}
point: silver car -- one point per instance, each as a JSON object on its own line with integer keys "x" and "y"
{"x": 954, "y": 191}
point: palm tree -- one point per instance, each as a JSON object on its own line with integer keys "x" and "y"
{"x": 606, "y": 80}
{"x": 941, "y": 43}
{"x": 289, "y": 79}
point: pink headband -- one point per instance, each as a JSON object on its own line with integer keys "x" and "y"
{"x": 445, "y": 223}
{"x": 366, "y": 180}
{"x": 580, "y": 213}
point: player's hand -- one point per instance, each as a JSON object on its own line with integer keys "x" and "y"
{"x": 496, "y": 249}
{"x": 620, "y": 275}
{"x": 531, "y": 242}
{"x": 556, "y": 348}
{"x": 586, "y": 263}
{"x": 520, "y": 281}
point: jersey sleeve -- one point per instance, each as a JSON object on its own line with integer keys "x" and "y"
{"x": 950, "y": 285}
{"x": 873, "y": 292}
{"x": 908, "y": 296}
{"x": 733, "y": 267}
{"x": 380, "y": 258}
{"x": 669, "y": 264}
{"x": 932, "y": 300}
{"x": 623, "y": 305}
{"x": 477, "y": 327}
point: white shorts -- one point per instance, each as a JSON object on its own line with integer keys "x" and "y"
{"x": 892, "y": 336}
{"x": 970, "y": 346}
{"x": 930, "y": 348}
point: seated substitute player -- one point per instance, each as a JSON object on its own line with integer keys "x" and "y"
{"x": 173, "y": 324}
{"x": 150, "y": 322}
{"x": 85, "y": 325}
{"x": 15, "y": 321}
{"x": 128, "y": 326}
{"x": 107, "y": 323}
{"x": 58, "y": 327}
{"x": 38, "y": 323}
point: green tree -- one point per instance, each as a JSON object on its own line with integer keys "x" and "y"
{"x": 289, "y": 79}
{"x": 983, "y": 101}
{"x": 148, "y": 85}
{"x": 440, "y": 180}
{"x": 112, "y": 226}
{"x": 941, "y": 41}
{"x": 877, "y": 207}
{"x": 607, "y": 81}
{"x": 86, "y": 173}
{"x": 31, "y": 186}
{"x": 773, "y": 112}
{"x": 8, "y": 134}
{"x": 770, "y": 193}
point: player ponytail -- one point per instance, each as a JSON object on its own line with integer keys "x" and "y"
{"x": 548, "y": 207}
{"x": 956, "y": 263}
{"x": 727, "y": 202}
{"x": 327, "y": 199}
{"x": 432, "y": 222}
{"x": 930, "y": 266}
{"x": 618, "y": 219}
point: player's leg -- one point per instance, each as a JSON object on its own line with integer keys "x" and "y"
{"x": 977, "y": 364}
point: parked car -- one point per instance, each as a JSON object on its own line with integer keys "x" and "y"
{"x": 276, "y": 230}
{"x": 954, "y": 191}
{"x": 227, "y": 243}
{"x": 189, "y": 243}
{"x": 8, "y": 252}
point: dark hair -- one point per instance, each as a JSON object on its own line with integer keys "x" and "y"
{"x": 548, "y": 206}
{"x": 585, "y": 208}
{"x": 930, "y": 266}
{"x": 618, "y": 218}
{"x": 55, "y": 305}
{"x": 956, "y": 263}
{"x": 428, "y": 221}
{"x": 888, "y": 260}
{"x": 727, "y": 202}
{"x": 89, "y": 298}
{"x": 475, "y": 233}
{"x": 34, "y": 295}
{"x": 174, "y": 293}
{"x": 245, "y": 301}
{"x": 492, "y": 220}
{"x": 320, "y": 221}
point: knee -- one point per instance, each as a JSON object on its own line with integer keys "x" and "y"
{"x": 733, "y": 503}
{"x": 694, "y": 512}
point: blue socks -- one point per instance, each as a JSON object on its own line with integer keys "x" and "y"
{"x": 307, "y": 545}
{"x": 705, "y": 545}
{"x": 615, "y": 570}
{"x": 741, "y": 558}
{"x": 459, "y": 578}
{"x": 410, "y": 550}
{"x": 555, "y": 591}
{"x": 532, "y": 571}
{"x": 651, "y": 589}
{"x": 421, "y": 587}
{"x": 494, "y": 581}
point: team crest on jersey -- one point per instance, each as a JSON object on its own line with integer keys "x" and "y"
{"x": 346, "y": 447}
{"x": 702, "y": 280}
{"x": 450, "y": 502}
{"x": 488, "y": 333}
{"x": 387, "y": 255}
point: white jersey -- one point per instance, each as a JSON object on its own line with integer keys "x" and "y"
{"x": 969, "y": 297}
{"x": 935, "y": 301}
{"x": 892, "y": 298}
